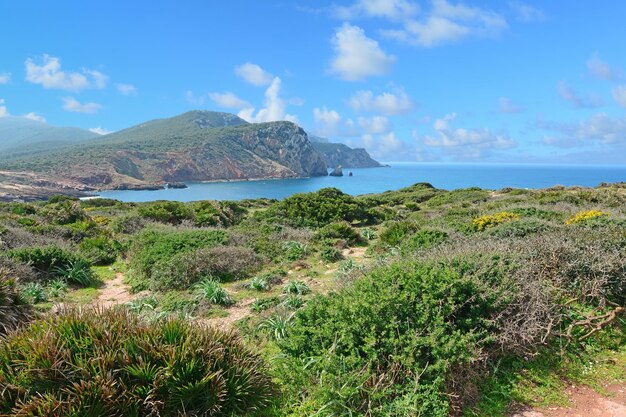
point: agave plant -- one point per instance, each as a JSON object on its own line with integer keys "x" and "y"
{"x": 57, "y": 288}
{"x": 260, "y": 283}
{"x": 277, "y": 325}
{"x": 296, "y": 287}
{"x": 213, "y": 292}
{"x": 35, "y": 292}
{"x": 76, "y": 272}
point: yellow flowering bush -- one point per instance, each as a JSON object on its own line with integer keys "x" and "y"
{"x": 584, "y": 216}
{"x": 491, "y": 220}
{"x": 101, "y": 220}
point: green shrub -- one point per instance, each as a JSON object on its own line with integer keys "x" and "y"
{"x": 424, "y": 239}
{"x": 320, "y": 208}
{"x": 49, "y": 261}
{"x": 518, "y": 229}
{"x": 99, "y": 250}
{"x": 397, "y": 231}
{"x": 225, "y": 263}
{"x": 330, "y": 254}
{"x": 154, "y": 248}
{"x": 340, "y": 230}
{"x": 69, "y": 365}
{"x": 292, "y": 302}
{"x": 64, "y": 212}
{"x": 396, "y": 323}
{"x": 171, "y": 212}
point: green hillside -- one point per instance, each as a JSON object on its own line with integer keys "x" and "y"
{"x": 194, "y": 146}
{"x": 20, "y": 136}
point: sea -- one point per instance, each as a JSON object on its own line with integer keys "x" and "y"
{"x": 396, "y": 175}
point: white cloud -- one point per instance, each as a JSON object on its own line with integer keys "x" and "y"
{"x": 192, "y": 99}
{"x": 254, "y": 74}
{"x": 35, "y": 116}
{"x": 275, "y": 107}
{"x": 50, "y": 75}
{"x": 598, "y": 128}
{"x": 98, "y": 79}
{"x": 327, "y": 122}
{"x": 619, "y": 94}
{"x": 447, "y": 23}
{"x": 574, "y": 99}
{"x": 375, "y": 125}
{"x": 388, "y": 103}
{"x": 464, "y": 143}
{"x": 3, "y": 108}
{"x": 390, "y": 9}
{"x": 228, "y": 100}
{"x": 600, "y": 69}
{"x": 73, "y": 105}
{"x": 357, "y": 56}
{"x": 100, "y": 130}
{"x": 126, "y": 89}
{"x": 525, "y": 12}
{"x": 506, "y": 105}
{"x": 5, "y": 77}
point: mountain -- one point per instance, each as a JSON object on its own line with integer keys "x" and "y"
{"x": 194, "y": 146}
{"x": 339, "y": 154}
{"x": 21, "y": 136}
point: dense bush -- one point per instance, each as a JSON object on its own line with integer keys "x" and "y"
{"x": 150, "y": 248}
{"x": 49, "y": 262}
{"x": 368, "y": 343}
{"x": 424, "y": 239}
{"x": 320, "y": 208}
{"x": 397, "y": 231}
{"x": 224, "y": 263}
{"x": 340, "y": 230}
{"x": 108, "y": 363}
{"x": 518, "y": 229}
{"x": 99, "y": 250}
{"x": 214, "y": 213}
{"x": 171, "y": 212}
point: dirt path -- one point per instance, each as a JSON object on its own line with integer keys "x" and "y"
{"x": 584, "y": 402}
{"x": 235, "y": 312}
{"x": 113, "y": 292}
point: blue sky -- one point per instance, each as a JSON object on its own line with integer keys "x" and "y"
{"x": 431, "y": 80}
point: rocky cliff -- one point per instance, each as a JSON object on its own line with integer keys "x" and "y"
{"x": 195, "y": 146}
{"x": 339, "y": 154}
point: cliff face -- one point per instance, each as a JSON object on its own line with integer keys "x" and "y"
{"x": 339, "y": 154}
{"x": 195, "y": 146}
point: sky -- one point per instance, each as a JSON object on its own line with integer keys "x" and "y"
{"x": 425, "y": 80}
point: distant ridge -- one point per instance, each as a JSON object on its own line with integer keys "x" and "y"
{"x": 21, "y": 136}
{"x": 193, "y": 146}
{"x": 339, "y": 154}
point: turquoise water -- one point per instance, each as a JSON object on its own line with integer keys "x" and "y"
{"x": 398, "y": 175}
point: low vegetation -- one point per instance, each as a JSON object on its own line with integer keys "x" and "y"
{"x": 411, "y": 302}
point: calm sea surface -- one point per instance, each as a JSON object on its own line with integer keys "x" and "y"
{"x": 398, "y": 175}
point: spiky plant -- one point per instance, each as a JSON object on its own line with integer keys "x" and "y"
{"x": 57, "y": 288}
{"x": 111, "y": 363}
{"x": 277, "y": 325}
{"x": 296, "y": 287}
{"x": 260, "y": 283}
{"x": 213, "y": 292}
{"x": 14, "y": 309}
{"x": 76, "y": 272}
{"x": 292, "y": 302}
{"x": 35, "y": 292}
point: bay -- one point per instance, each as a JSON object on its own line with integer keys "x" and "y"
{"x": 399, "y": 174}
